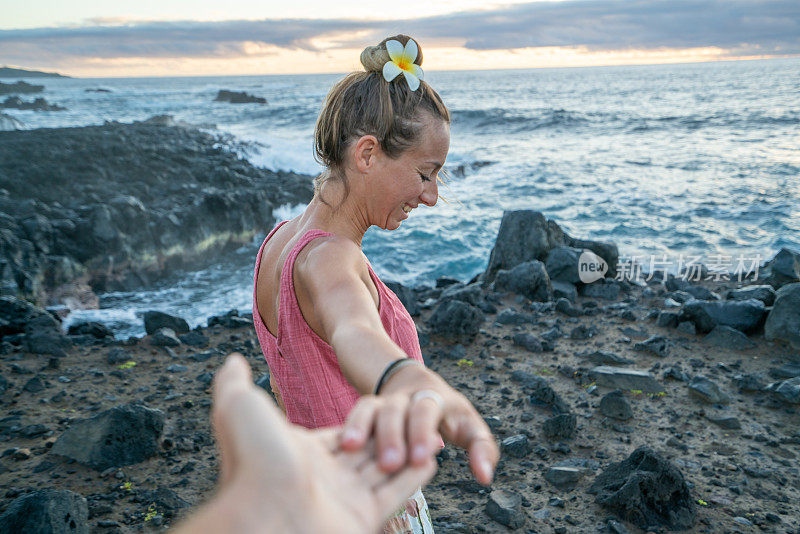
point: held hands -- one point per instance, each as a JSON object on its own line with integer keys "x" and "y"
{"x": 414, "y": 408}
{"x": 277, "y": 477}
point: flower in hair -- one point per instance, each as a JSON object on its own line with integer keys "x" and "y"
{"x": 401, "y": 59}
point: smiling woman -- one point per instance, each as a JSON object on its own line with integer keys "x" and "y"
{"x": 330, "y": 329}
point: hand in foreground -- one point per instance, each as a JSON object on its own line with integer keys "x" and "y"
{"x": 414, "y": 408}
{"x": 277, "y": 477}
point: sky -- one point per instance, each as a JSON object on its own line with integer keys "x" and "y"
{"x": 89, "y": 38}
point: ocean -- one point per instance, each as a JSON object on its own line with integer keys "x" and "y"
{"x": 668, "y": 161}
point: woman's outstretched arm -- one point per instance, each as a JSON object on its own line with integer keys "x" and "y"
{"x": 415, "y": 405}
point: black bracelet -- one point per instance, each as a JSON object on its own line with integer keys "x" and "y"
{"x": 390, "y": 370}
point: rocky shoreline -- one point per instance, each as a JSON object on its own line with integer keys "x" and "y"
{"x": 619, "y": 406}
{"x": 115, "y": 207}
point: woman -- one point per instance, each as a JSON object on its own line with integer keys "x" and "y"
{"x": 330, "y": 330}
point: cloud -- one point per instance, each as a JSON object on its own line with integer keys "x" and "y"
{"x": 768, "y": 27}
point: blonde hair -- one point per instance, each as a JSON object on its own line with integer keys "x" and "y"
{"x": 364, "y": 103}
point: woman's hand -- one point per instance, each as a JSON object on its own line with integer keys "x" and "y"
{"x": 414, "y": 408}
{"x": 277, "y": 477}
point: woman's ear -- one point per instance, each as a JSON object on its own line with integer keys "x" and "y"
{"x": 364, "y": 152}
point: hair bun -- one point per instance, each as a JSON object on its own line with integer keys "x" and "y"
{"x": 373, "y": 58}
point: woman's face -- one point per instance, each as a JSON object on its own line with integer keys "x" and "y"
{"x": 400, "y": 185}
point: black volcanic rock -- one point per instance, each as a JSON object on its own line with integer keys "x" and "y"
{"x": 744, "y": 315}
{"x": 526, "y": 235}
{"x": 783, "y": 322}
{"x": 19, "y": 88}
{"x": 783, "y": 269}
{"x": 647, "y": 490}
{"x": 235, "y": 97}
{"x": 528, "y": 279}
{"x": 456, "y": 320}
{"x": 120, "y": 436}
{"x": 38, "y": 104}
{"x": 47, "y": 511}
{"x": 114, "y": 207}
{"x": 156, "y": 320}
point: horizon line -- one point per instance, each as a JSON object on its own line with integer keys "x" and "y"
{"x": 548, "y": 67}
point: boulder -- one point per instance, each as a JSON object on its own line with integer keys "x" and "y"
{"x": 528, "y": 279}
{"x": 407, "y": 296}
{"x": 728, "y": 338}
{"x": 783, "y": 269}
{"x": 606, "y": 358}
{"x": 563, "y": 477}
{"x": 606, "y": 289}
{"x": 155, "y": 320}
{"x": 564, "y": 306}
{"x": 47, "y": 511}
{"x": 787, "y": 391}
{"x": 15, "y": 314}
{"x": 505, "y": 507}
{"x": 783, "y": 322}
{"x": 165, "y": 337}
{"x": 564, "y": 290}
{"x": 529, "y": 342}
{"x": 524, "y": 236}
{"x": 90, "y": 328}
{"x": 658, "y": 345}
{"x": 540, "y": 390}
{"x": 561, "y": 426}
{"x": 616, "y": 406}
{"x": 471, "y": 294}
{"x": 51, "y": 342}
{"x": 562, "y": 264}
{"x": 518, "y": 446}
{"x": 765, "y": 294}
{"x": 120, "y": 436}
{"x": 456, "y": 319}
{"x": 744, "y": 315}
{"x": 235, "y": 97}
{"x": 625, "y": 379}
{"x": 707, "y": 391}
{"x": 647, "y": 490}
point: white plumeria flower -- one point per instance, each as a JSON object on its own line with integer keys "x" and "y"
{"x": 402, "y": 60}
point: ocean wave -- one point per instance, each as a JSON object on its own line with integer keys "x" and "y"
{"x": 512, "y": 121}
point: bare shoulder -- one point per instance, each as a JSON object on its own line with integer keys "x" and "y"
{"x": 329, "y": 259}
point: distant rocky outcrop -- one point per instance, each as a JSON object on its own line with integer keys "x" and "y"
{"x": 238, "y": 97}
{"x": 10, "y": 72}
{"x": 39, "y": 104}
{"x": 115, "y": 206}
{"x": 19, "y": 88}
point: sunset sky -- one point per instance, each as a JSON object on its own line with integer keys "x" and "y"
{"x": 182, "y": 37}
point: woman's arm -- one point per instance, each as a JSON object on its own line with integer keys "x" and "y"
{"x": 331, "y": 276}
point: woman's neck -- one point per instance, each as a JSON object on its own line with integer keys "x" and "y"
{"x": 342, "y": 215}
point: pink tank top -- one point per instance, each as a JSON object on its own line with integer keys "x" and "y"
{"x": 305, "y": 368}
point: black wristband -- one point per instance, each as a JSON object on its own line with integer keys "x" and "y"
{"x": 390, "y": 370}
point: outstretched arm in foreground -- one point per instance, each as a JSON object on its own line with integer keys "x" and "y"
{"x": 277, "y": 477}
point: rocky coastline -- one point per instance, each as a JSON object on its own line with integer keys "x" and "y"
{"x": 619, "y": 405}
{"x": 113, "y": 207}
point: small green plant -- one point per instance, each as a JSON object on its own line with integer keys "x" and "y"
{"x": 658, "y": 395}
{"x": 587, "y": 386}
{"x": 463, "y": 362}
{"x": 701, "y": 502}
{"x": 127, "y": 365}
{"x": 545, "y": 372}
{"x": 151, "y": 512}
{"x": 127, "y": 486}
{"x": 636, "y": 392}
